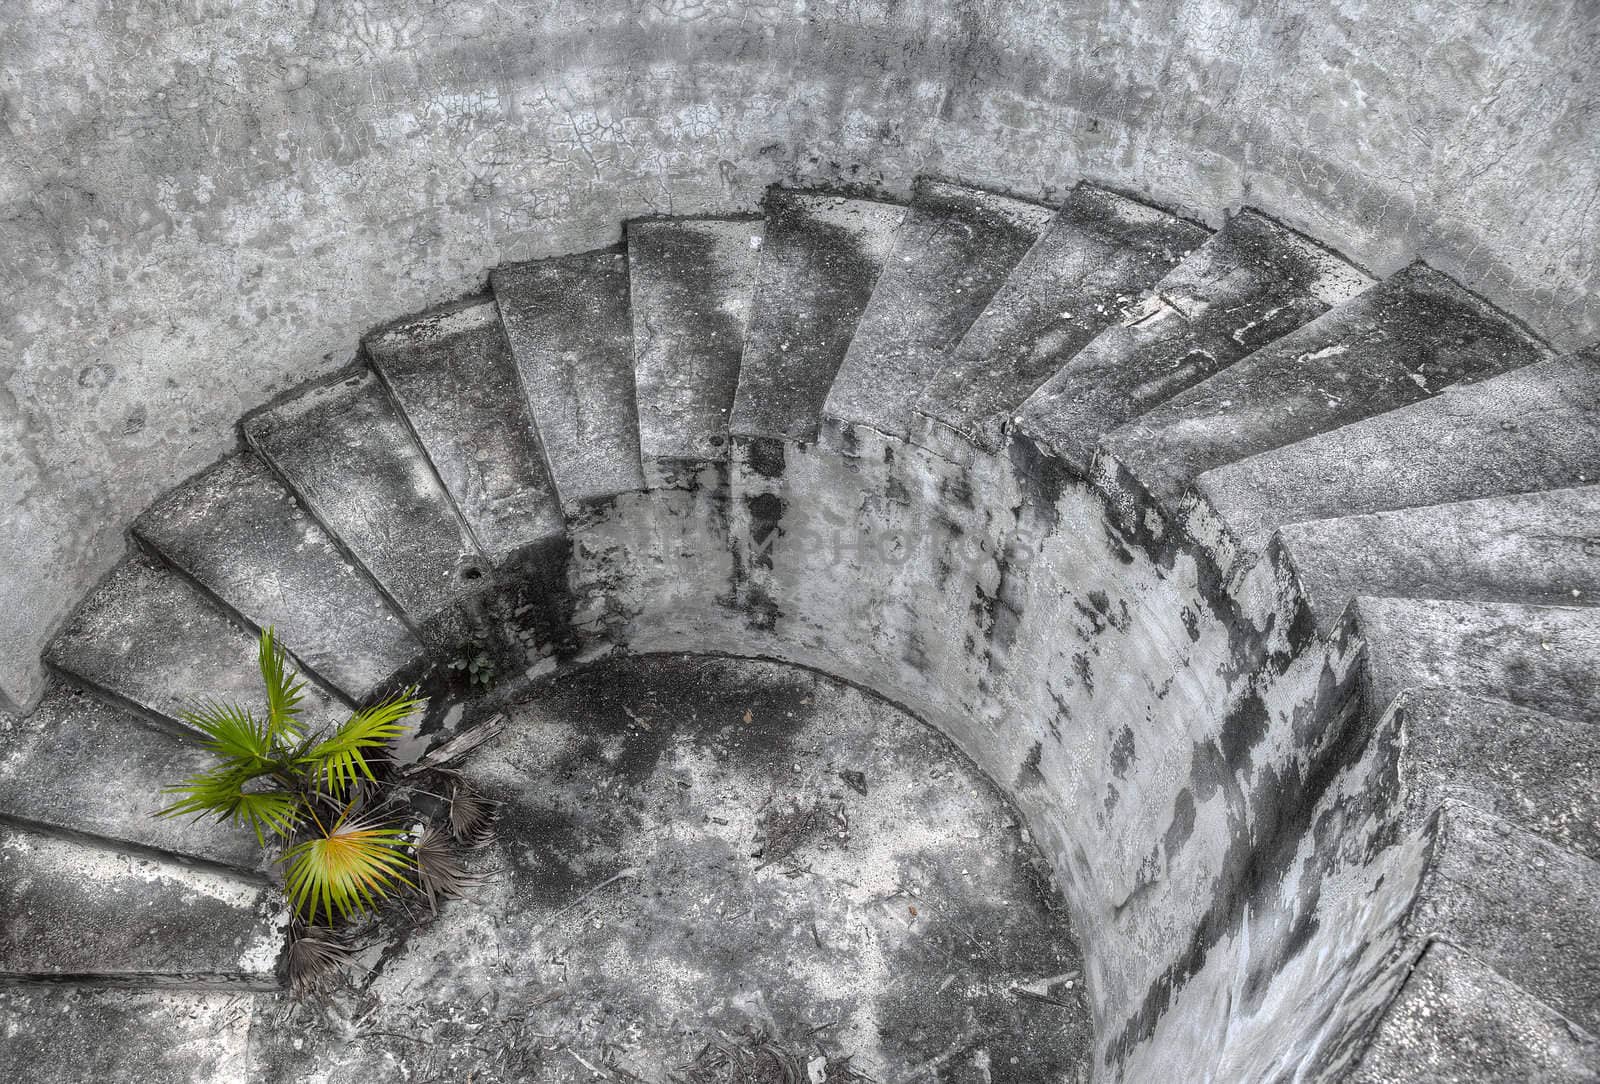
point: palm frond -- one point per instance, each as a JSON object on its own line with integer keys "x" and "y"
{"x": 221, "y": 793}
{"x": 211, "y": 792}
{"x": 348, "y": 869}
{"x": 471, "y": 815}
{"x": 277, "y": 811}
{"x": 284, "y": 691}
{"x": 233, "y": 733}
{"x": 317, "y": 959}
{"x": 341, "y": 759}
{"x": 440, "y": 869}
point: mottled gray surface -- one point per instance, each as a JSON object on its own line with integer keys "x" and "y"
{"x": 1250, "y": 283}
{"x": 452, "y": 374}
{"x": 1541, "y": 548}
{"x": 203, "y": 204}
{"x": 79, "y": 764}
{"x": 1531, "y": 769}
{"x": 1541, "y": 657}
{"x": 150, "y": 638}
{"x": 568, "y": 324}
{"x": 1457, "y": 1022}
{"x": 68, "y": 908}
{"x": 1518, "y": 903}
{"x": 352, "y": 458}
{"x": 1532, "y": 429}
{"x": 124, "y": 1037}
{"x": 240, "y": 534}
{"x": 953, "y": 250}
{"x": 690, "y": 284}
{"x": 821, "y": 254}
{"x": 655, "y": 890}
{"x": 1100, "y": 252}
{"x": 1409, "y": 337}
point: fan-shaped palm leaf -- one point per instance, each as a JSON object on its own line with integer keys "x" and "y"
{"x": 471, "y": 815}
{"x": 222, "y": 794}
{"x": 349, "y": 868}
{"x": 339, "y": 760}
{"x": 209, "y": 792}
{"x": 318, "y": 956}
{"x": 284, "y": 691}
{"x": 233, "y": 733}
{"x": 440, "y": 870}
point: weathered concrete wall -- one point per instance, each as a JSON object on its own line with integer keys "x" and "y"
{"x": 1189, "y": 756}
{"x": 202, "y": 203}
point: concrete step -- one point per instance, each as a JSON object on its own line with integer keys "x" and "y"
{"x": 821, "y": 258}
{"x": 1533, "y": 429}
{"x": 61, "y": 1034}
{"x": 1411, "y": 336}
{"x": 1251, "y": 283}
{"x": 691, "y": 282}
{"x": 1541, "y": 657}
{"x": 1539, "y": 548}
{"x": 571, "y": 333}
{"x": 1519, "y": 904}
{"x": 452, "y": 374}
{"x": 69, "y": 908}
{"x": 1531, "y": 769}
{"x": 1099, "y": 253}
{"x": 351, "y": 457}
{"x": 149, "y": 638}
{"x": 1458, "y": 1022}
{"x": 79, "y": 764}
{"x": 242, "y": 536}
{"x": 955, "y": 248}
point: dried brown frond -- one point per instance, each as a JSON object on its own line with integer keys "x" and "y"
{"x": 439, "y": 868}
{"x": 471, "y": 815}
{"x": 756, "y": 1059}
{"x": 318, "y": 957}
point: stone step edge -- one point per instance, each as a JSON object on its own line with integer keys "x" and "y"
{"x": 1410, "y": 960}
{"x": 149, "y": 547}
{"x": 97, "y": 841}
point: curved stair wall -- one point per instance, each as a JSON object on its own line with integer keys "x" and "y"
{"x": 1186, "y": 629}
{"x": 308, "y": 174}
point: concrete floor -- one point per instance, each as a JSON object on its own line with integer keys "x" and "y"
{"x": 698, "y": 850}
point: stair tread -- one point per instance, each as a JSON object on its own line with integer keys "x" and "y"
{"x": 571, "y": 333}
{"x": 345, "y": 449}
{"x": 1540, "y": 657}
{"x": 72, "y": 909}
{"x": 151, "y": 638}
{"x": 79, "y": 764}
{"x": 1455, "y": 1021}
{"x": 56, "y": 1034}
{"x": 1249, "y": 284}
{"x": 1537, "y": 548}
{"x": 1100, "y": 252}
{"x": 453, "y": 375}
{"x": 1531, "y": 429}
{"x": 820, "y": 259}
{"x": 239, "y": 533}
{"x": 1520, "y": 904}
{"x": 954, "y": 249}
{"x": 1534, "y": 770}
{"x": 691, "y": 284}
{"x": 1406, "y": 339}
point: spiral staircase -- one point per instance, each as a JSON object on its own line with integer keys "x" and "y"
{"x": 1262, "y": 586}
